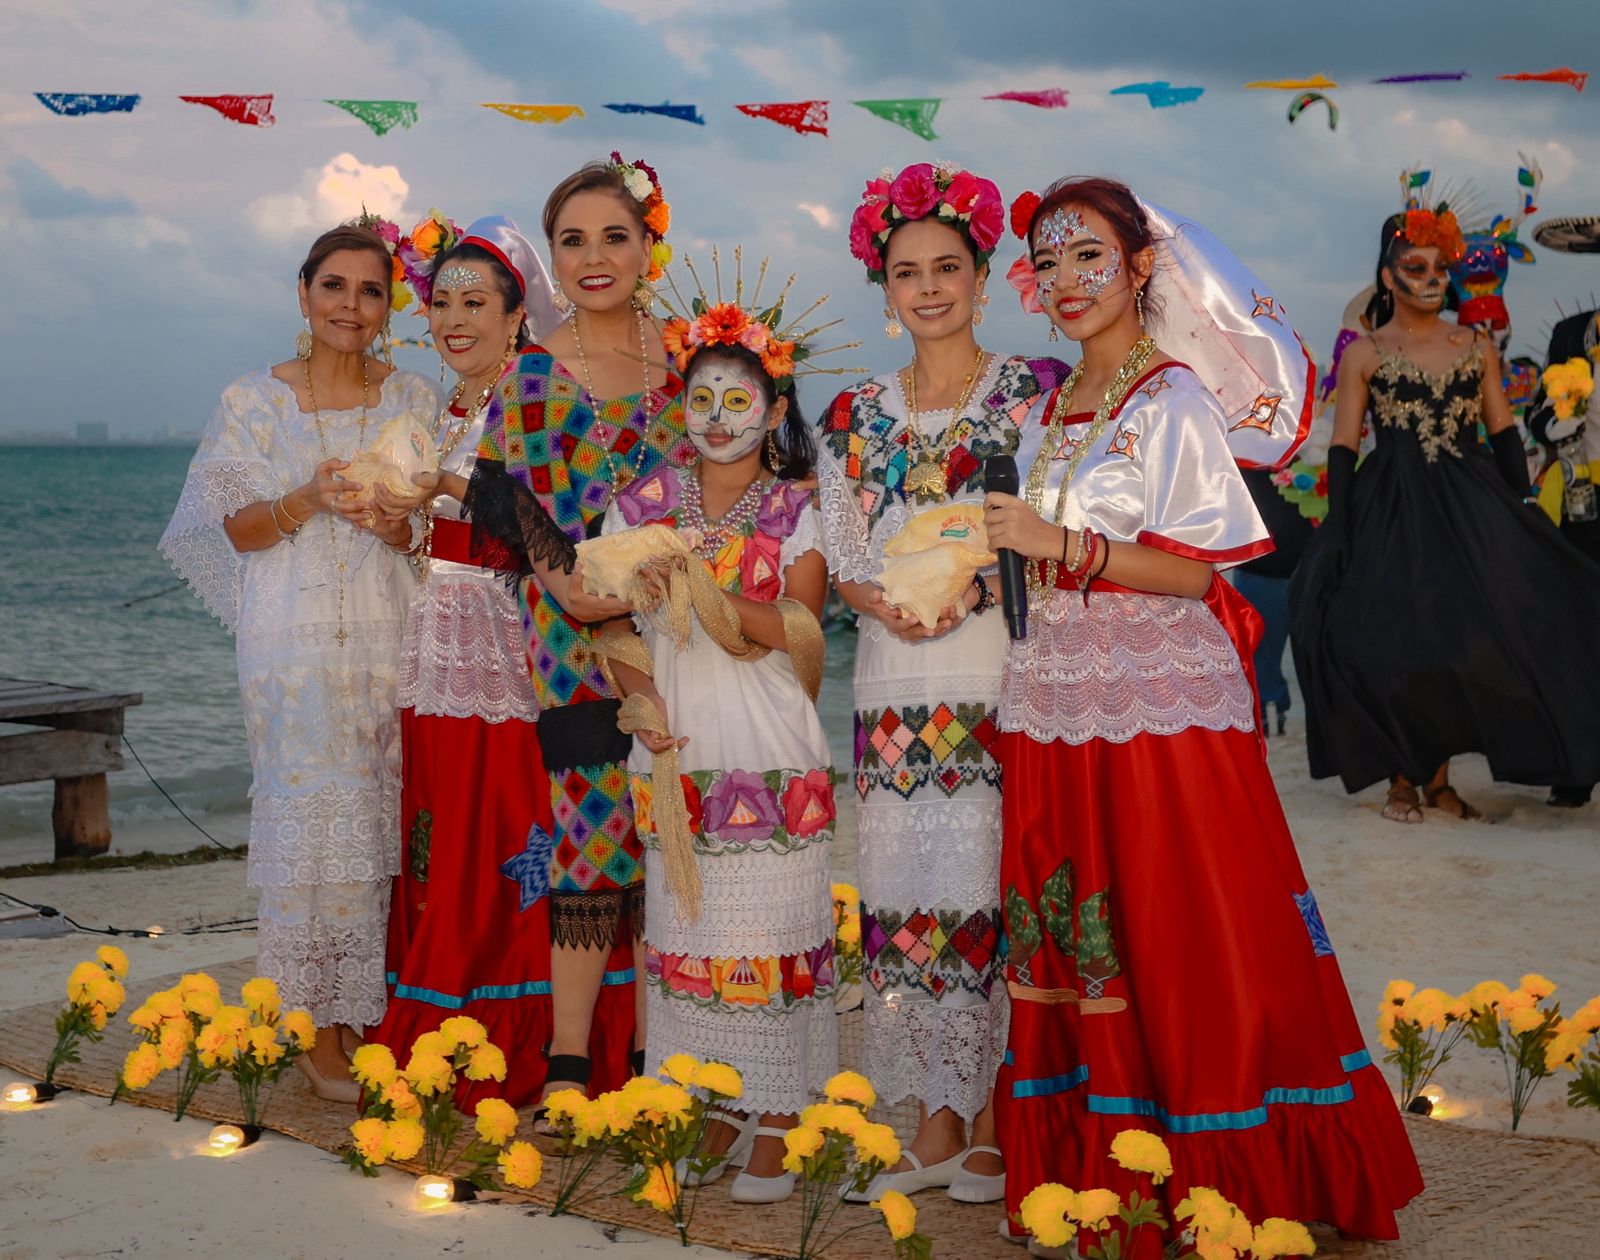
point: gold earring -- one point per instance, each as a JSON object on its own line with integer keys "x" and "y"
{"x": 981, "y": 301}
{"x": 302, "y": 341}
{"x": 385, "y": 350}
{"x": 644, "y": 296}
{"x": 1055, "y": 333}
{"x": 441, "y": 371}
{"x": 1138, "y": 304}
{"x": 772, "y": 450}
{"x": 511, "y": 343}
{"x": 560, "y": 300}
{"x": 892, "y": 329}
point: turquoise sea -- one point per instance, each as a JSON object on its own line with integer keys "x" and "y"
{"x": 86, "y": 599}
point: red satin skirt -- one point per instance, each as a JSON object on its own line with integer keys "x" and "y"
{"x": 460, "y": 942}
{"x": 1169, "y": 971}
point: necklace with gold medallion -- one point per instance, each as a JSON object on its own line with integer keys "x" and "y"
{"x": 926, "y": 478}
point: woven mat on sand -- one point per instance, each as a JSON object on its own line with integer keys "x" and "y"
{"x": 1489, "y": 1194}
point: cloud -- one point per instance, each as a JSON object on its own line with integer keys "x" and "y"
{"x": 40, "y": 195}
{"x": 822, "y": 215}
{"x": 341, "y": 189}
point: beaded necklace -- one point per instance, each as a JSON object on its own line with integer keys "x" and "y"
{"x": 621, "y": 475}
{"x": 926, "y": 477}
{"x": 452, "y": 435}
{"x": 716, "y": 532}
{"x": 340, "y": 566}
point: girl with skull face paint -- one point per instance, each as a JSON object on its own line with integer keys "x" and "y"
{"x": 748, "y": 979}
{"x": 1409, "y": 613}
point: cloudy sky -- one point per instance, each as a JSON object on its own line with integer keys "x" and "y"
{"x": 151, "y": 256}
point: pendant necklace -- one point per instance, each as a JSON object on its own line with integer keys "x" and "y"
{"x": 925, "y": 477}
{"x": 620, "y": 474}
{"x": 340, "y": 566}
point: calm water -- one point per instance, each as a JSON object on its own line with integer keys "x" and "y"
{"x": 78, "y": 544}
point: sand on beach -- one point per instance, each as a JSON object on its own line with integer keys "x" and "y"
{"x": 1446, "y": 903}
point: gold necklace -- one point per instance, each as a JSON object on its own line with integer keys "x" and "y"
{"x": 620, "y": 475}
{"x": 925, "y": 477}
{"x": 453, "y": 433}
{"x": 340, "y": 566}
{"x": 1055, "y": 433}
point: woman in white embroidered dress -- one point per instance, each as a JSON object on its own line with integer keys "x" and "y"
{"x": 928, "y": 787}
{"x": 315, "y": 588}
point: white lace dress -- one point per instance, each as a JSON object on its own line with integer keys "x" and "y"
{"x": 320, "y": 714}
{"x": 927, "y": 785}
{"x": 751, "y": 982}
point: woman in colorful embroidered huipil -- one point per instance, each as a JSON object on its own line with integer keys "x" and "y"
{"x": 314, "y": 584}
{"x": 461, "y": 941}
{"x": 1410, "y": 613}
{"x": 739, "y": 957}
{"x": 575, "y": 419}
{"x": 1167, "y": 964}
{"x": 927, "y": 784}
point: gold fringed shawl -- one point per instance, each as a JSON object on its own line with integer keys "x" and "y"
{"x": 695, "y": 588}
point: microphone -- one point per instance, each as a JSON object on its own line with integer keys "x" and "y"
{"x": 1000, "y": 475}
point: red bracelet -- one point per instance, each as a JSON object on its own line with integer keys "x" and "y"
{"x": 1091, "y": 545}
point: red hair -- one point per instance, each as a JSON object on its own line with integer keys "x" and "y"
{"x": 1115, "y": 203}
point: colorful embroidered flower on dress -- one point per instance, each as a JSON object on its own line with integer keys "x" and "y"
{"x": 808, "y": 803}
{"x": 760, "y": 574}
{"x": 741, "y": 807}
{"x": 781, "y": 509}
{"x": 652, "y": 498}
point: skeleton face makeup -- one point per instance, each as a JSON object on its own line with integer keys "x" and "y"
{"x": 726, "y": 413}
{"x": 459, "y": 276}
{"x": 1420, "y": 276}
{"x": 1077, "y": 248}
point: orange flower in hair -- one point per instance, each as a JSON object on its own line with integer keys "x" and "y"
{"x": 1424, "y": 227}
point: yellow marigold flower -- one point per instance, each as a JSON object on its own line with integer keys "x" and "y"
{"x": 835, "y": 1116}
{"x": 850, "y": 930}
{"x": 1386, "y": 1023}
{"x": 877, "y": 1143}
{"x": 85, "y": 977}
{"x": 371, "y": 1139}
{"x": 1565, "y": 1048}
{"x": 680, "y": 1067}
{"x": 1537, "y": 985}
{"x": 847, "y": 894}
{"x": 564, "y": 1104}
{"x": 215, "y": 1045}
{"x": 1398, "y": 991}
{"x": 233, "y": 1019}
{"x": 202, "y": 1002}
{"x": 1044, "y": 1214}
{"x": 146, "y": 1018}
{"x": 800, "y": 1144}
{"x": 899, "y": 1214}
{"x": 1278, "y": 1237}
{"x": 1516, "y": 1000}
{"x": 497, "y": 1121}
{"x": 671, "y": 1103}
{"x": 397, "y": 1092}
{"x": 1095, "y": 1207}
{"x": 660, "y": 1189}
{"x": 1138, "y": 1151}
{"x": 1587, "y": 1016}
{"x": 372, "y": 1062}
{"x": 486, "y": 1063}
{"x": 429, "y": 1073}
{"x": 261, "y": 999}
{"x": 167, "y": 1003}
{"x": 141, "y": 1066}
{"x": 197, "y": 980}
{"x": 521, "y": 1165}
{"x": 850, "y": 1087}
{"x": 1220, "y": 1228}
{"x": 1525, "y": 1019}
{"x": 112, "y": 995}
{"x": 719, "y": 1079}
{"x": 264, "y": 1044}
{"x": 405, "y": 1138}
{"x": 114, "y": 958}
{"x": 614, "y": 1111}
{"x": 97, "y": 1016}
{"x": 433, "y": 1043}
{"x": 1426, "y": 1007}
{"x": 1486, "y": 995}
{"x": 589, "y": 1123}
{"x": 298, "y": 1025}
{"x": 174, "y": 1044}
{"x": 463, "y": 1030}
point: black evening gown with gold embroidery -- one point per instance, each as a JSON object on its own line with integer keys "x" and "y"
{"x": 1434, "y": 613}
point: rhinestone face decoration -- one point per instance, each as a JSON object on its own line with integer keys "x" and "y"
{"x": 457, "y": 276}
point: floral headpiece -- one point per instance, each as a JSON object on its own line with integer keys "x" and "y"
{"x": 644, "y": 186}
{"x": 704, "y": 322}
{"x": 388, "y": 231}
{"x": 431, "y": 237}
{"x": 958, "y": 198}
{"x": 1420, "y": 223}
{"x": 1021, "y": 275}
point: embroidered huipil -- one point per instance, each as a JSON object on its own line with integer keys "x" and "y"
{"x": 751, "y": 982}
{"x": 927, "y": 785}
{"x": 547, "y": 467}
{"x": 320, "y": 715}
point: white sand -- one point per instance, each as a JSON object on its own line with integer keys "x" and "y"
{"x": 1445, "y": 903}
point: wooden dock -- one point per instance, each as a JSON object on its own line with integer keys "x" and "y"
{"x": 82, "y": 740}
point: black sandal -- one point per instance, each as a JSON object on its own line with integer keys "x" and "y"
{"x": 570, "y": 1071}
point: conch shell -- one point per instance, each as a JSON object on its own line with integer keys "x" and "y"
{"x": 403, "y": 446}
{"x": 612, "y": 563}
{"x": 933, "y": 558}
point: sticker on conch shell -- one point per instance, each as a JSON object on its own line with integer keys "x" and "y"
{"x": 401, "y": 448}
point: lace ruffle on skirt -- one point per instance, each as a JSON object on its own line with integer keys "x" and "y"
{"x": 464, "y": 653}
{"x": 324, "y": 945}
{"x": 1121, "y": 666}
{"x": 945, "y": 1055}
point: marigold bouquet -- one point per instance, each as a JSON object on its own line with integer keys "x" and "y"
{"x": 168, "y": 1023}
{"x": 1419, "y": 1029}
{"x": 1513, "y": 1022}
{"x": 254, "y": 1042}
{"x": 1576, "y": 1048}
{"x": 836, "y": 1147}
{"x": 1569, "y": 386}
{"x": 1214, "y": 1227}
{"x": 411, "y": 1112}
{"x": 848, "y": 958}
{"x": 94, "y": 994}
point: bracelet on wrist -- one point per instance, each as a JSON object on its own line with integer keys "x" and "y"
{"x": 986, "y": 597}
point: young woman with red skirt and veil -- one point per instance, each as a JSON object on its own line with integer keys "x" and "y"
{"x": 1168, "y": 967}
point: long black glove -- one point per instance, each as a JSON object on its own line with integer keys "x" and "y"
{"x": 1341, "y": 479}
{"x": 1508, "y": 457}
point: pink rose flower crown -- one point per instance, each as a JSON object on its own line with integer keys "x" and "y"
{"x": 967, "y": 202}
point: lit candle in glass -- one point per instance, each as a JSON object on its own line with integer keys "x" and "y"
{"x": 20, "y": 1093}
{"x": 434, "y": 1191}
{"x": 225, "y": 1139}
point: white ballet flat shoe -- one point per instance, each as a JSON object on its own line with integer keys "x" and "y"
{"x": 737, "y": 1154}
{"x": 917, "y": 1177}
{"x": 971, "y": 1187}
{"x": 330, "y": 1088}
{"x": 748, "y": 1188}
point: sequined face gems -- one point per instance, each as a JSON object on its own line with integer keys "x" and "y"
{"x": 1064, "y": 232}
{"x": 457, "y": 276}
{"x": 1058, "y": 227}
{"x": 1096, "y": 280}
{"x": 726, "y": 415}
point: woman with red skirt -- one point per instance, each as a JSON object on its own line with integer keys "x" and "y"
{"x": 1168, "y": 967}
{"x": 465, "y": 935}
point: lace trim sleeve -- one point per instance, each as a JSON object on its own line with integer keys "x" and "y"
{"x": 806, "y": 536}
{"x": 229, "y": 471}
{"x": 504, "y": 509}
{"x": 846, "y": 537}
